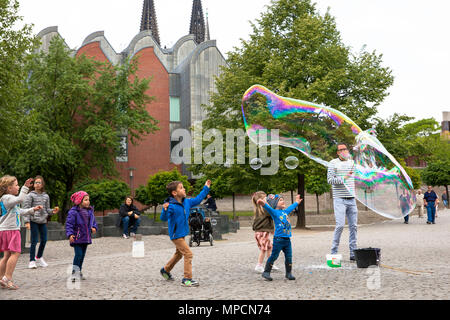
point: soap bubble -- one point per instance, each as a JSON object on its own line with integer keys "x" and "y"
{"x": 256, "y": 163}
{"x": 377, "y": 180}
{"x": 213, "y": 222}
{"x": 291, "y": 162}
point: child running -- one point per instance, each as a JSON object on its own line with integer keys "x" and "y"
{"x": 263, "y": 227}
{"x": 80, "y": 225}
{"x": 276, "y": 207}
{"x": 10, "y": 241}
{"x": 176, "y": 212}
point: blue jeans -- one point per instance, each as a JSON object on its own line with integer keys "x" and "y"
{"x": 126, "y": 222}
{"x": 80, "y": 253}
{"x": 404, "y": 210}
{"x": 345, "y": 208}
{"x": 37, "y": 231}
{"x": 431, "y": 211}
{"x": 279, "y": 244}
{"x": 445, "y": 203}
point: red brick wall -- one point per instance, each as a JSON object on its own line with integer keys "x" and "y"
{"x": 152, "y": 154}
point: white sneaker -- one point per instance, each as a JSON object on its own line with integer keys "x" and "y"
{"x": 41, "y": 262}
{"x": 259, "y": 268}
{"x": 132, "y": 234}
{"x": 32, "y": 265}
{"x": 125, "y": 236}
{"x": 274, "y": 267}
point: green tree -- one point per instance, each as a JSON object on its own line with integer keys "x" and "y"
{"x": 15, "y": 45}
{"x": 316, "y": 183}
{"x": 76, "y": 110}
{"x": 155, "y": 192}
{"x": 298, "y": 52}
{"x": 437, "y": 173}
{"x": 105, "y": 194}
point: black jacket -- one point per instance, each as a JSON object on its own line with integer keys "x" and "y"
{"x": 123, "y": 212}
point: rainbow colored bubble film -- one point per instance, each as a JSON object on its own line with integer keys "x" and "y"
{"x": 378, "y": 181}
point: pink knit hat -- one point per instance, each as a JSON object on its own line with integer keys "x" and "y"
{"x": 77, "y": 197}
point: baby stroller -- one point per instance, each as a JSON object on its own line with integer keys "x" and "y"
{"x": 200, "y": 226}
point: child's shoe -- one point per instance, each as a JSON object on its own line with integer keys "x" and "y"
{"x": 32, "y": 265}
{"x": 259, "y": 268}
{"x": 266, "y": 273}
{"x": 289, "y": 275}
{"x": 275, "y": 268}
{"x": 189, "y": 283}
{"x": 41, "y": 262}
{"x": 166, "y": 275}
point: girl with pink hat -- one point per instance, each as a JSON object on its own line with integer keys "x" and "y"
{"x": 80, "y": 225}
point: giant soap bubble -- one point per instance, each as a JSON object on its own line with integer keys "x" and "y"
{"x": 379, "y": 180}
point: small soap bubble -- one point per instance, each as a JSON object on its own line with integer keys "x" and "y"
{"x": 256, "y": 163}
{"x": 291, "y": 162}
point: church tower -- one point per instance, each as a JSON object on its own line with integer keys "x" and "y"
{"x": 149, "y": 21}
{"x": 197, "y": 27}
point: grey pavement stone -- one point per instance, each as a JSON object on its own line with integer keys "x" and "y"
{"x": 415, "y": 255}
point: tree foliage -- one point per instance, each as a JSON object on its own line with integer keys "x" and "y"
{"x": 76, "y": 109}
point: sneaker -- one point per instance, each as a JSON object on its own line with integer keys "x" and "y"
{"x": 125, "y": 236}
{"x": 428, "y": 222}
{"x": 41, "y": 262}
{"x": 82, "y": 277}
{"x": 266, "y": 276}
{"x": 189, "y": 283}
{"x": 166, "y": 275}
{"x": 406, "y": 222}
{"x": 274, "y": 267}
{"x": 76, "y": 275}
{"x": 132, "y": 234}
{"x": 259, "y": 268}
{"x": 32, "y": 265}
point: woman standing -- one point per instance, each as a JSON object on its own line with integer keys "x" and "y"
{"x": 37, "y": 222}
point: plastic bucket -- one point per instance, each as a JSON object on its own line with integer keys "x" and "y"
{"x": 367, "y": 257}
{"x": 334, "y": 260}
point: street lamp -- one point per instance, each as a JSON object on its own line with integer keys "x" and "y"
{"x": 131, "y": 179}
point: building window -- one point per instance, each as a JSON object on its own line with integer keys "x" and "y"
{"x": 122, "y": 154}
{"x": 175, "y": 109}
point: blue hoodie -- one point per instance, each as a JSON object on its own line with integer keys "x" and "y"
{"x": 177, "y": 214}
{"x": 280, "y": 218}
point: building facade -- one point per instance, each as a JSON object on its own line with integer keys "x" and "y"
{"x": 182, "y": 81}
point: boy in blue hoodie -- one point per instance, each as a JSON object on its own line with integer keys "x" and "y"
{"x": 276, "y": 207}
{"x": 176, "y": 213}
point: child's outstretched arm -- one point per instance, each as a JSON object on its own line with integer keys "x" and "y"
{"x": 12, "y": 201}
{"x": 198, "y": 199}
{"x": 292, "y": 207}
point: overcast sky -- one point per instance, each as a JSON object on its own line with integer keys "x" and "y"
{"x": 412, "y": 35}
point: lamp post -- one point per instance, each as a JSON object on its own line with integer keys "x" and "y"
{"x": 131, "y": 179}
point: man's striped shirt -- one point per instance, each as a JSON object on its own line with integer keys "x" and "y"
{"x": 338, "y": 172}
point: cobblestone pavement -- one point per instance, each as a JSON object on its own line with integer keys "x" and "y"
{"x": 415, "y": 265}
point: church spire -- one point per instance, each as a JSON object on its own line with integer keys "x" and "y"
{"x": 197, "y": 22}
{"x": 208, "y": 36}
{"x": 149, "y": 21}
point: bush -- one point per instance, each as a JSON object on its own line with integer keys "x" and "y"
{"x": 105, "y": 194}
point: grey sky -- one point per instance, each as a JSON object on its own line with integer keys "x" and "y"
{"x": 412, "y": 35}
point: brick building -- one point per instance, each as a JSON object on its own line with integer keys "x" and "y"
{"x": 182, "y": 80}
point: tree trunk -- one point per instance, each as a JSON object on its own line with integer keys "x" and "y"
{"x": 317, "y": 202}
{"x": 301, "y": 221}
{"x": 234, "y": 208}
{"x": 154, "y": 213}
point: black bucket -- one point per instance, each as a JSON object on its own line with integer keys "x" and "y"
{"x": 367, "y": 257}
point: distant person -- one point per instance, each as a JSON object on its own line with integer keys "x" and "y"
{"x": 445, "y": 199}
{"x": 404, "y": 205}
{"x": 210, "y": 203}
{"x": 129, "y": 215}
{"x": 430, "y": 201}
{"x": 419, "y": 202}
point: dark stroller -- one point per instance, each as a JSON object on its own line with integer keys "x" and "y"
{"x": 200, "y": 226}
